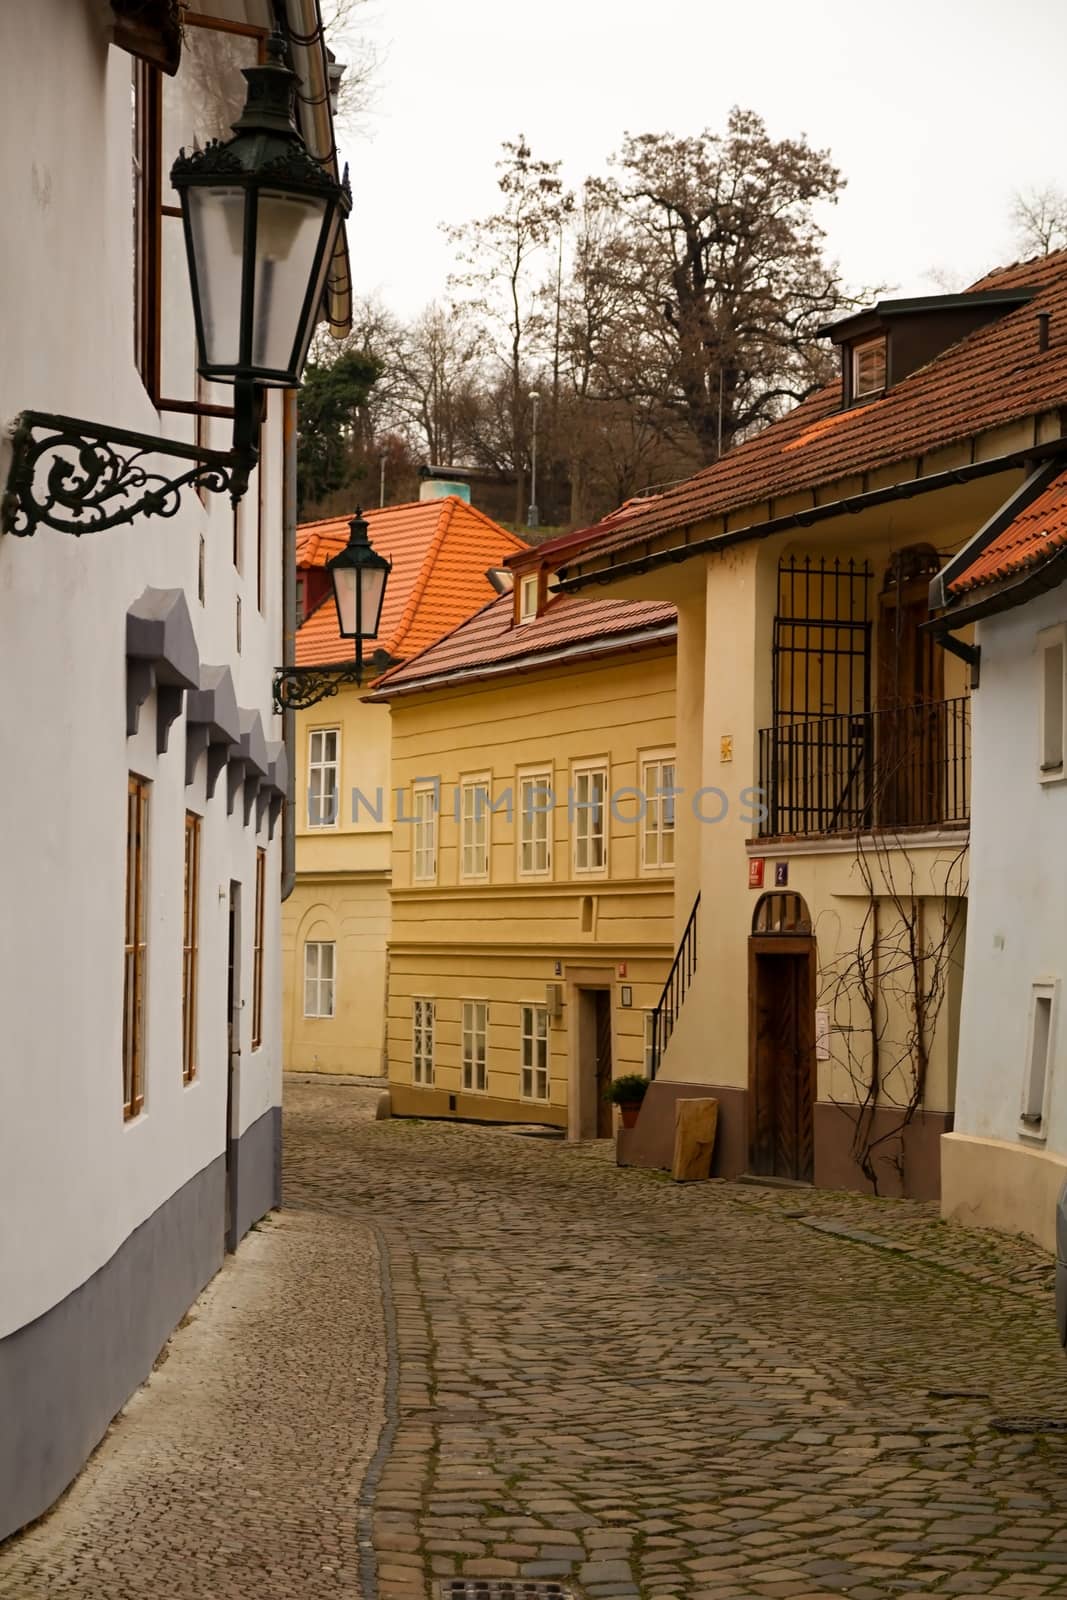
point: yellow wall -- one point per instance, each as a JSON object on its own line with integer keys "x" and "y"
{"x": 505, "y": 939}
{"x": 341, "y": 896}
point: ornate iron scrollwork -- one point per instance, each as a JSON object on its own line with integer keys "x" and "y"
{"x": 79, "y": 477}
{"x": 297, "y": 688}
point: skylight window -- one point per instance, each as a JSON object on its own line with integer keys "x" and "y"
{"x": 868, "y": 367}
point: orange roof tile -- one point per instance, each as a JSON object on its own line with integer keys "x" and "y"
{"x": 992, "y": 376}
{"x": 1037, "y": 533}
{"x": 440, "y": 550}
{"x": 491, "y": 642}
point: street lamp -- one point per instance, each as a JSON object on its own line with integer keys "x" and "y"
{"x": 358, "y": 574}
{"x": 261, "y": 219}
{"x": 532, "y": 513}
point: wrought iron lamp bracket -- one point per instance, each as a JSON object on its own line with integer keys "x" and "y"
{"x": 297, "y": 688}
{"x": 83, "y": 477}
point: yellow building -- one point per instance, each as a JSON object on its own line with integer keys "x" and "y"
{"x": 532, "y": 879}
{"x": 336, "y": 922}
{"x": 824, "y": 752}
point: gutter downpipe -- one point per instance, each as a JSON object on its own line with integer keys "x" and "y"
{"x": 289, "y": 631}
{"x": 905, "y": 490}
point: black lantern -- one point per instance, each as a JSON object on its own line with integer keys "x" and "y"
{"x": 358, "y": 575}
{"x": 261, "y": 221}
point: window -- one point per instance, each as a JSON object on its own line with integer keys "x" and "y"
{"x": 868, "y": 367}
{"x": 535, "y": 824}
{"x": 190, "y": 944}
{"x": 528, "y": 590}
{"x": 657, "y": 826}
{"x": 534, "y": 1085}
{"x": 424, "y": 867}
{"x": 649, "y": 1033}
{"x": 257, "y": 951}
{"x": 1038, "y": 1057}
{"x": 590, "y": 827}
{"x": 422, "y": 1041}
{"x": 133, "y": 1004}
{"x": 474, "y": 822}
{"x": 145, "y": 103}
{"x": 1052, "y": 654}
{"x": 323, "y": 746}
{"x": 475, "y": 1024}
{"x": 318, "y": 979}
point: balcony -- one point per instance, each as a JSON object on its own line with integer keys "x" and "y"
{"x": 860, "y": 772}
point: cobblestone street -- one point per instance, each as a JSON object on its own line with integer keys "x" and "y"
{"x": 577, "y": 1374}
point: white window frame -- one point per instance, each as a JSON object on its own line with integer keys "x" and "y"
{"x": 582, "y": 832}
{"x": 321, "y": 984}
{"x": 1040, "y": 1054}
{"x": 655, "y": 831}
{"x": 474, "y": 1072}
{"x": 533, "y": 828}
{"x": 422, "y": 1031}
{"x": 320, "y": 765}
{"x": 529, "y": 586}
{"x": 858, "y": 350}
{"x": 475, "y": 831}
{"x": 647, "y": 1058}
{"x": 534, "y": 1031}
{"x": 424, "y": 834}
{"x": 1052, "y": 727}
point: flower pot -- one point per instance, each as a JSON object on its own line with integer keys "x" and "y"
{"x": 628, "y": 1111}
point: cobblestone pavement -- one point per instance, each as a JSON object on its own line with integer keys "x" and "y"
{"x": 709, "y": 1392}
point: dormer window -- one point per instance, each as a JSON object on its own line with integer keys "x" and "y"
{"x": 868, "y": 368}
{"x": 529, "y": 588}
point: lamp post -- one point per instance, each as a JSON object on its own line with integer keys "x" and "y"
{"x": 532, "y": 513}
{"x": 261, "y": 219}
{"x": 358, "y": 574}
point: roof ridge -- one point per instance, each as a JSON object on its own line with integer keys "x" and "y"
{"x": 418, "y": 589}
{"x": 466, "y": 623}
{"x": 483, "y": 516}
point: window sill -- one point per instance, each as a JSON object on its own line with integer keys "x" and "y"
{"x": 1059, "y": 775}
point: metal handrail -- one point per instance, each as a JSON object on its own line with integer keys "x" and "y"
{"x": 674, "y": 990}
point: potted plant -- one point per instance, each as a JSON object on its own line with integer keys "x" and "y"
{"x": 627, "y": 1093}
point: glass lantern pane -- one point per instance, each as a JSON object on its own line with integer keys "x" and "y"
{"x": 287, "y": 234}
{"x": 345, "y": 585}
{"x": 372, "y": 580}
{"x": 216, "y": 217}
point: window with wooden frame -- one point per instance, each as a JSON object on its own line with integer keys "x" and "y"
{"x": 1052, "y": 658}
{"x": 257, "y": 950}
{"x": 475, "y": 1027}
{"x": 474, "y": 828}
{"x": 133, "y": 1004}
{"x": 424, "y": 853}
{"x": 535, "y": 824}
{"x": 422, "y": 1041}
{"x": 534, "y": 1052}
{"x": 657, "y": 821}
{"x": 529, "y": 595}
{"x": 190, "y": 944}
{"x": 199, "y": 103}
{"x": 869, "y": 363}
{"x": 319, "y": 978}
{"x": 648, "y": 1037}
{"x": 324, "y": 747}
{"x": 589, "y": 793}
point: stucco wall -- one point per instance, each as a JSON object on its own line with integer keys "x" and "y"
{"x": 75, "y": 1180}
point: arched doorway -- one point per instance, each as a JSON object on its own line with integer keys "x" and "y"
{"x": 781, "y": 1032}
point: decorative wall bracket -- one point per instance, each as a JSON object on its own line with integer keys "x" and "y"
{"x": 82, "y": 477}
{"x": 296, "y": 688}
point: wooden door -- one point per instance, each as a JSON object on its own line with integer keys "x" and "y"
{"x": 604, "y": 1120}
{"x": 782, "y": 1074}
{"x": 909, "y": 733}
{"x": 233, "y": 1047}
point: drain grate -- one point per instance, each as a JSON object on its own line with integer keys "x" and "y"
{"x": 503, "y": 1589}
{"x": 1029, "y": 1424}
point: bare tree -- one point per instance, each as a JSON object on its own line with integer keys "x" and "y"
{"x": 346, "y": 26}
{"x": 1040, "y": 220}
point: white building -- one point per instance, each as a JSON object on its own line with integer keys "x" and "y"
{"x": 141, "y": 845}
{"x": 1005, "y": 1161}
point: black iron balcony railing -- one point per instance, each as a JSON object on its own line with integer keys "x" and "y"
{"x": 903, "y": 767}
{"x": 674, "y": 990}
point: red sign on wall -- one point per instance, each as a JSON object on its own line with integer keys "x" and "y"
{"x": 755, "y": 872}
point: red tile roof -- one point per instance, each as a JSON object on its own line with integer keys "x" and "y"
{"x": 1037, "y": 534}
{"x": 440, "y": 550}
{"x": 491, "y": 642}
{"x": 993, "y": 376}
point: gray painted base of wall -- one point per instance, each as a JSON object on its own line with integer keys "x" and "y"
{"x": 64, "y": 1376}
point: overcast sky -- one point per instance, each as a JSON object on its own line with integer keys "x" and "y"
{"x": 935, "y": 110}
